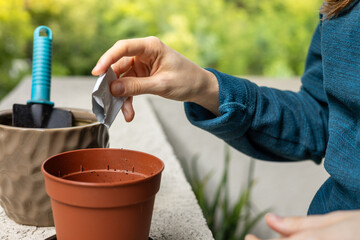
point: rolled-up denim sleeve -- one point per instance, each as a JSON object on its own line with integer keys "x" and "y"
{"x": 268, "y": 123}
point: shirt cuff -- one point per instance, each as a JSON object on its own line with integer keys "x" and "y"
{"x": 234, "y": 107}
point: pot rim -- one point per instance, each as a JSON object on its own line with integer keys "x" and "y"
{"x": 101, "y": 185}
{"x": 9, "y": 111}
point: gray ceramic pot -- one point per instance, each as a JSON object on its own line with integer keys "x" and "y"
{"x": 22, "y": 151}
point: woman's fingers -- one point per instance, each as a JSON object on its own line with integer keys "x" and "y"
{"x": 333, "y": 226}
{"x": 123, "y": 48}
{"x": 132, "y": 86}
{"x": 251, "y": 237}
{"x": 289, "y": 225}
{"x": 128, "y": 109}
{"x": 122, "y": 66}
{"x": 332, "y": 232}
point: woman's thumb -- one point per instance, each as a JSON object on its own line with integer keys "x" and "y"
{"x": 132, "y": 86}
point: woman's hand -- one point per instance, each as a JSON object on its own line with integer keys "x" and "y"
{"x": 146, "y": 65}
{"x": 344, "y": 225}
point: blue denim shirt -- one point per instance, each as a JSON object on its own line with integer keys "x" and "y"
{"x": 321, "y": 120}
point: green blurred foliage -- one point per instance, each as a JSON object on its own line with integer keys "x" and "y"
{"x": 239, "y": 37}
{"x": 226, "y": 220}
{"x": 15, "y": 32}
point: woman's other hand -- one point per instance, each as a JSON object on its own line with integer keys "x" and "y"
{"x": 148, "y": 66}
{"x": 344, "y": 225}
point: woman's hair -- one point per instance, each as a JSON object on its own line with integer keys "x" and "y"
{"x": 332, "y": 8}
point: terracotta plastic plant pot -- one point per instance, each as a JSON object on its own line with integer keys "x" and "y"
{"x": 102, "y": 193}
{"x": 23, "y": 150}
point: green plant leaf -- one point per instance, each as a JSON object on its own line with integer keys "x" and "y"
{"x": 226, "y": 221}
{"x": 220, "y": 188}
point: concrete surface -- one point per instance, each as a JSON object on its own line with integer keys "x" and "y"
{"x": 176, "y": 212}
{"x": 286, "y": 188}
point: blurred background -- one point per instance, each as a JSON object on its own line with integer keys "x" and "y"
{"x": 262, "y": 37}
{"x": 267, "y": 39}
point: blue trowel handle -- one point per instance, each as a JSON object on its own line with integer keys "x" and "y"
{"x": 41, "y": 66}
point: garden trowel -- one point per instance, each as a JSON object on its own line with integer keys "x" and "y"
{"x": 39, "y": 112}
